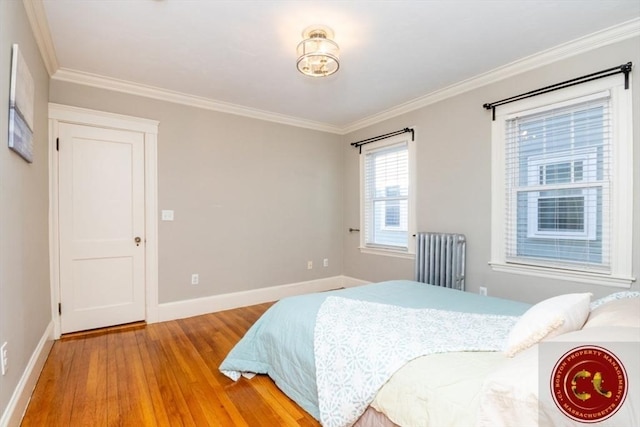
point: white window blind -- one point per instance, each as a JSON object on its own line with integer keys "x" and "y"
{"x": 557, "y": 184}
{"x": 386, "y": 196}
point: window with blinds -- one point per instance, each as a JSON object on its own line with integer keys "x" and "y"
{"x": 385, "y": 195}
{"x": 557, "y": 182}
{"x": 562, "y": 184}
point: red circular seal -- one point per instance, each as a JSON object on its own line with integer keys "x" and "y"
{"x": 589, "y": 384}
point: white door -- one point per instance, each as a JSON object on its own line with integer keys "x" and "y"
{"x": 101, "y": 226}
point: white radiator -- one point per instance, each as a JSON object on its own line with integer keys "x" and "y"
{"x": 440, "y": 259}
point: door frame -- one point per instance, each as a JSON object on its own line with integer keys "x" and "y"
{"x": 68, "y": 114}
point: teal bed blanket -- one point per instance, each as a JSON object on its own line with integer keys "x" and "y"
{"x": 281, "y": 343}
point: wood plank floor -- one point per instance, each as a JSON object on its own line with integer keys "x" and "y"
{"x": 163, "y": 374}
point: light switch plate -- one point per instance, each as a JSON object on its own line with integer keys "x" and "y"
{"x": 167, "y": 215}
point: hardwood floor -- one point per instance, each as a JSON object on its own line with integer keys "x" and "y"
{"x": 164, "y": 374}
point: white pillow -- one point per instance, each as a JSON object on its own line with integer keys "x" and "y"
{"x": 613, "y": 297}
{"x": 549, "y": 318}
{"x": 617, "y": 312}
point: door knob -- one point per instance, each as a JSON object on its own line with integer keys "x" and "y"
{"x": 137, "y": 240}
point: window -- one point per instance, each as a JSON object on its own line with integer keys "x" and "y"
{"x": 386, "y": 196}
{"x": 560, "y": 166}
{"x": 561, "y": 205}
{"x": 392, "y": 208}
{"x": 562, "y": 179}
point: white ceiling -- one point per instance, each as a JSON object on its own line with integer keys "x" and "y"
{"x": 243, "y": 53}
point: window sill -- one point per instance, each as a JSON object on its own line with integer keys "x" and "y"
{"x": 387, "y": 252}
{"x": 558, "y": 274}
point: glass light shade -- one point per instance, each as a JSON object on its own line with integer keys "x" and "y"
{"x": 318, "y": 55}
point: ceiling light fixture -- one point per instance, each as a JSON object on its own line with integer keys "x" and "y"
{"x": 318, "y": 53}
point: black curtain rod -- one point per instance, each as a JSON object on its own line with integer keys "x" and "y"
{"x": 624, "y": 68}
{"x": 359, "y": 144}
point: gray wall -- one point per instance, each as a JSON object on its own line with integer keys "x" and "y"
{"x": 454, "y": 177}
{"x": 25, "y": 310}
{"x": 253, "y": 200}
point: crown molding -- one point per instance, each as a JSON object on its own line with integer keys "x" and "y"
{"x": 39, "y": 25}
{"x": 40, "y": 29}
{"x": 95, "y": 80}
{"x": 605, "y": 37}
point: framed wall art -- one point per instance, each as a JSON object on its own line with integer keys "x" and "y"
{"x": 21, "y": 105}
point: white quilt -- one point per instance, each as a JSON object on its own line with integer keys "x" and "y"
{"x": 358, "y": 346}
{"x": 440, "y": 389}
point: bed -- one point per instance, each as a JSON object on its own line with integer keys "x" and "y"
{"x": 433, "y": 361}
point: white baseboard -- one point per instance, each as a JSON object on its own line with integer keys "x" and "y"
{"x": 196, "y": 307}
{"x": 350, "y": 282}
{"x": 14, "y": 412}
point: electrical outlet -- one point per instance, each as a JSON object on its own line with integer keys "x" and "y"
{"x": 195, "y": 279}
{"x": 3, "y": 358}
{"x": 325, "y": 262}
{"x": 309, "y": 265}
{"x": 482, "y": 291}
